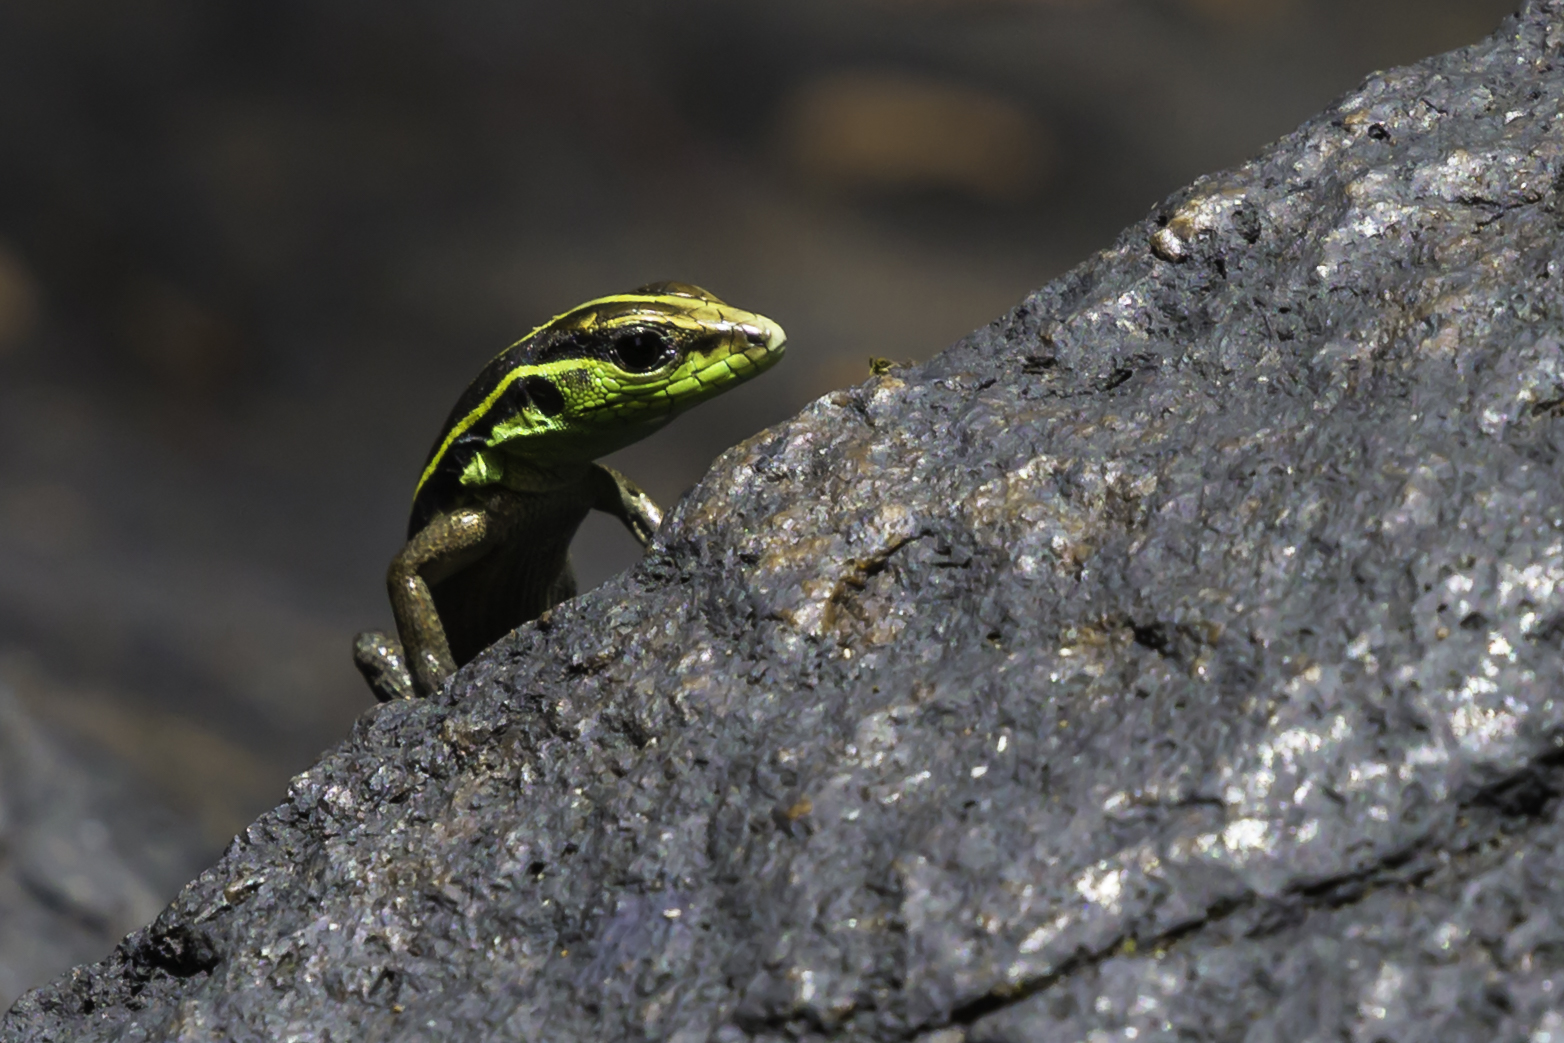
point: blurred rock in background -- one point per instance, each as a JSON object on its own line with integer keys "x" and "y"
{"x": 251, "y": 252}
{"x": 866, "y": 133}
{"x": 85, "y": 853}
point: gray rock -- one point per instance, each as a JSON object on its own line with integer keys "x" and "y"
{"x": 1179, "y": 654}
{"x": 85, "y": 854}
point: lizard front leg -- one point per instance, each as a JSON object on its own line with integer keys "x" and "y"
{"x": 379, "y": 657}
{"x": 613, "y": 493}
{"x": 450, "y": 542}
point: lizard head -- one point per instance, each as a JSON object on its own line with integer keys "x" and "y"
{"x": 612, "y": 370}
{"x": 599, "y": 377}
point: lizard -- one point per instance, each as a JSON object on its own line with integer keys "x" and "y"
{"x": 513, "y": 471}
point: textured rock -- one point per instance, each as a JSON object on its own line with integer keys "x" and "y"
{"x": 1180, "y": 653}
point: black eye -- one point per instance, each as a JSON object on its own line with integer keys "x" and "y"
{"x": 544, "y": 395}
{"x": 639, "y": 351}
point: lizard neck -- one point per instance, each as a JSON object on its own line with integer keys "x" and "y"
{"x": 523, "y": 475}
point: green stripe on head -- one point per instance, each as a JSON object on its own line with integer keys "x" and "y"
{"x": 598, "y": 377}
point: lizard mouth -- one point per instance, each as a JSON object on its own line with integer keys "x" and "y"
{"x": 735, "y": 364}
{"x": 756, "y": 345}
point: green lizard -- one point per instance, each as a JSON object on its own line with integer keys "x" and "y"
{"x": 511, "y": 475}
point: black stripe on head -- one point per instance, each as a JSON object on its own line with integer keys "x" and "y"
{"x": 634, "y": 349}
{"x": 480, "y": 388}
{"x": 472, "y": 398}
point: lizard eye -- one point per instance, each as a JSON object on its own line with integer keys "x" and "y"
{"x": 639, "y": 351}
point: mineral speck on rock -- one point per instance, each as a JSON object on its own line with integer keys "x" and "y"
{"x": 1177, "y": 658}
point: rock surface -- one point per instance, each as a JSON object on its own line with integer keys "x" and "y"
{"x": 85, "y": 854}
{"x": 1179, "y": 654}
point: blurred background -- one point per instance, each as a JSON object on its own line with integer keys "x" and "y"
{"x": 251, "y": 252}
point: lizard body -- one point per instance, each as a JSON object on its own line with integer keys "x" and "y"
{"x": 512, "y": 473}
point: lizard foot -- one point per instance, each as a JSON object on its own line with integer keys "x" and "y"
{"x": 380, "y": 659}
